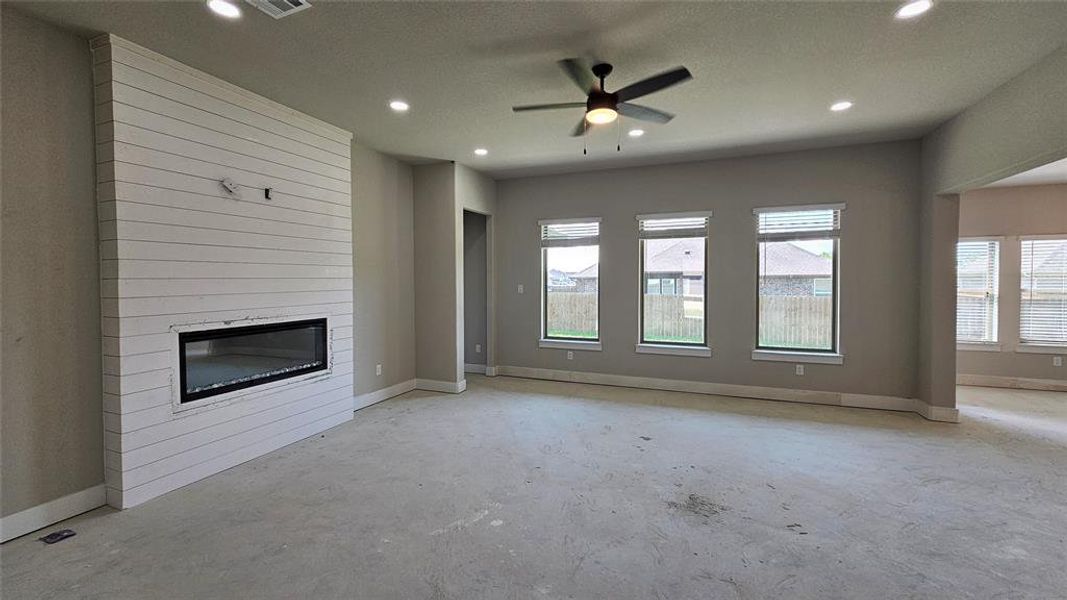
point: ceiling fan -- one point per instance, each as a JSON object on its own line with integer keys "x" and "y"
{"x": 602, "y": 106}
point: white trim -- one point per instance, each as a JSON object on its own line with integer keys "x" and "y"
{"x": 983, "y": 238}
{"x": 1040, "y": 348}
{"x": 569, "y": 345}
{"x": 1044, "y": 236}
{"x": 1017, "y": 383}
{"x": 800, "y": 207}
{"x": 433, "y": 385}
{"x": 472, "y": 368}
{"x": 814, "y": 358}
{"x": 49, "y": 513}
{"x": 490, "y": 371}
{"x": 543, "y": 222}
{"x": 978, "y": 346}
{"x": 365, "y": 400}
{"x": 678, "y": 215}
{"x": 943, "y": 414}
{"x": 739, "y": 391}
{"x": 673, "y": 350}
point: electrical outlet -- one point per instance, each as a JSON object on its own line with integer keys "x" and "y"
{"x": 570, "y": 355}
{"x": 1057, "y": 361}
{"x": 800, "y": 369}
{"x": 378, "y": 370}
{"x": 478, "y": 348}
{"x": 522, "y": 289}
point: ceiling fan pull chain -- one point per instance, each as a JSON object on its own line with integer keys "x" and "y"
{"x": 618, "y": 135}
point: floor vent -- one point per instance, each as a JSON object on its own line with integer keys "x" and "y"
{"x": 280, "y": 8}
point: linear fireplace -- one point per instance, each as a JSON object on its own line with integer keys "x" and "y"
{"x": 217, "y": 361}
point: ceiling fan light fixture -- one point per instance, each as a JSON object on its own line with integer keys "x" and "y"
{"x": 636, "y": 133}
{"x": 601, "y": 116}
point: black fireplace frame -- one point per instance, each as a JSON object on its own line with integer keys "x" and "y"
{"x": 321, "y": 355}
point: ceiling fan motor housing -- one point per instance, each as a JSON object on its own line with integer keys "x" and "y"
{"x": 598, "y": 99}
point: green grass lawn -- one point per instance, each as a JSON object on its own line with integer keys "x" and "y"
{"x": 572, "y": 333}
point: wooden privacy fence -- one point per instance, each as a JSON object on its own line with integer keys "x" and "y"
{"x": 796, "y": 321}
{"x": 785, "y": 321}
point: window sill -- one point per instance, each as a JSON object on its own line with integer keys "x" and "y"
{"x": 1041, "y": 349}
{"x": 978, "y": 347}
{"x": 672, "y": 350}
{"x": 569, "y": 345}
{"x": 816, "y": 358}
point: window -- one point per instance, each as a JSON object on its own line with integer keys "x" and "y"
{"x": 674, "y": 288}
{"x": 1043, "y": 314}
{"x": 977, "y": 274}
{"x": 570, "y": 261}
{"x": 797, "y": 278}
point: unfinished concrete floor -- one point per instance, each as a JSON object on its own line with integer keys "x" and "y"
{"x": 526, "y": 489}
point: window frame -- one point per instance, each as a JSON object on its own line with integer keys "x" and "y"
{"x": 650, "y": 346}
{"x": 833, "y": 355}
{"x": 1035, "y": 346}
{"x": 576, "y": 343}
{"x": 995, "y": 344}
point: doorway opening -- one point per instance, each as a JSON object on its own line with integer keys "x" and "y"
{"x": 1011, "y": 297}
{"x": 475, "y": 292}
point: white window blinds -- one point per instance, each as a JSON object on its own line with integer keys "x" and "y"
{"x": 799, "y": 222}
{"x": 583, "y": 232}
{"x": 673, "y": 226}
{"x": 977, "y": 274}
{"x": 1043, "y": 315}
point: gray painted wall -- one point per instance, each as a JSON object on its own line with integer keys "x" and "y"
{"x": 438, "y": 289}
{"x": 51, "y": 412}
{"x": 475, "y": 316}
{"x": 384, "y": 246}
{"x": 1011, "y": 212}
{"x": 1020, "y": 125}
{"x": 879, "y": 265}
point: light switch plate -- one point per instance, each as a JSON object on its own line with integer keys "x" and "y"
{"x": 378, "y": 370}
{"x": 521, "y": 289}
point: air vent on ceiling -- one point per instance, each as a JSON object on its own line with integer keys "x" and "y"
{"x": 280, "y": 8}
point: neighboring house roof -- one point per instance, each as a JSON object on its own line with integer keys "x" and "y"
{"x": 557, "y": 278}
{"x": 790, "y": 260}
{"x": 683, "y": 256}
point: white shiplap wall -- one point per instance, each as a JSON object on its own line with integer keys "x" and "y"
{"x": 176, "y": 250}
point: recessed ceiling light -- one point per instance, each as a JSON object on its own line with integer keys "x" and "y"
{"x": 914, "y": 8}
{"x": 840, "y": 106}
{"x": 399, "y": 106}
{"x": 224, "y": 8}
{"x": 636, "y": 132}
{"x": 481, "y": 151}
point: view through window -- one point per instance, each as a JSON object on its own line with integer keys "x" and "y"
{"x": 673, "y": 264}
{"x": 977, "y": 273}
{"x": 1043, "y": 315}
{"x": 570, "y": 258}
{"x": 797, "y": 280}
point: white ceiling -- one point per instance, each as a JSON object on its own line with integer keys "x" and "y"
{"x": 1055, "y": 172}
{"x": 764, "y": 72}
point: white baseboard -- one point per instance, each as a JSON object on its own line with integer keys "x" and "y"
{"x": 490, "y": 371}
{"x": 469, "y": 368}
{"x": 1017, "y": 383}
{"x": 740, "y": 391}
{"x": 433, "y": 385}
{"x": 365, "y": 400}
{"x": 43, "y": 515}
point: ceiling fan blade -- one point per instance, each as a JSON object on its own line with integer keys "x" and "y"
{"x": 643, "y": 113}
{"x": 580, "y": 73}
{"x": 580, "y": 128}
{"x": 654, "y": 84}
{"x": 548, "y": 106}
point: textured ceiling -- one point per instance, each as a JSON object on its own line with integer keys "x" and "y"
{"x": 1054, "y": 172}
{"x": 764, "y": 72}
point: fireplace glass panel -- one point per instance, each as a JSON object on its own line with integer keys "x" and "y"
{"x": 222, "y": 360}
